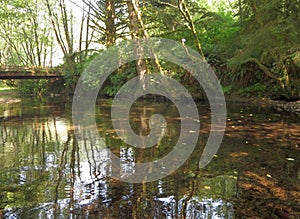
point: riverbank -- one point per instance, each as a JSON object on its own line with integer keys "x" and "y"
{"x": 4, "y": 100}
{"x": 8, "y": 96}
{"x": 279, "y": 105}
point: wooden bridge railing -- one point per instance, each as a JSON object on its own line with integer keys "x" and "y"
{"x": 25, "y": 72}
{"x": 31, "y": 69}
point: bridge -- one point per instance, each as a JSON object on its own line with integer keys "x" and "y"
{"x": 29, "y": 72}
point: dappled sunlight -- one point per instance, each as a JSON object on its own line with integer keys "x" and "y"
{"x": 264, "y": 185}
{"x": 238, "y": 154}
{"x": 264, "y": 190}
{"x": 255, "y": 129}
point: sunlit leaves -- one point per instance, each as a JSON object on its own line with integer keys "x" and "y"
{"x": 25, "y": 34}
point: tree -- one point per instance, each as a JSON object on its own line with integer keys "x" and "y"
{"x": 61, "y": 21}
{"x": 188, "y": 18}
{"x": 110, "y": 23}
{"x": 137, "y": 31}
{"x": 25, "y": 38}
{"x": 165, "y": 17}
{"x": 107, "y": 21}
{"x": 269, "y": 41}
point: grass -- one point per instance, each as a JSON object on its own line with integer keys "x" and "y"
{"x": 6, "y": 89}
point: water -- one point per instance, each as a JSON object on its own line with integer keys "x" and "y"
{"x": 45, "y": 173}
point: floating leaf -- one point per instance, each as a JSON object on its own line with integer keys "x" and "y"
{"x": 290, "y": 159}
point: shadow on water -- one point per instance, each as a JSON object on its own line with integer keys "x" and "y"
{"x": 46, "y": 173}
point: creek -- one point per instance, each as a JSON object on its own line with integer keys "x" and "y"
{"x": 46, "y": 173}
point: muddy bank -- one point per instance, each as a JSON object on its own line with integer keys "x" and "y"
{"x": 9, "y": 97}
{"x": 280, "y": 106}
{"x": 6, "y": 100}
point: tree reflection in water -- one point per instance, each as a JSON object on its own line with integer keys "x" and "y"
{"x": 45, "y": 173}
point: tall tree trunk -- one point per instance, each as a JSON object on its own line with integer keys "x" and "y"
{"x": 136, "y": 34}
{"x": 241, "y": 12}
{"x": 284, "y": 80}
{"x": 138, "y": 13}
{"x": 37, "y": 43}
{"x": 187, "y": 16}
{"x": 56, "y": 28}
{"x": 66, "y": 26}
{"x": 110, "y": 30}
{"x": 87, "y": 30}
{"x": 81, "y": 37}
{"x": 66, "y": 41}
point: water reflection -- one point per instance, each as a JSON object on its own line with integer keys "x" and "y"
{"x": 45, "y": 173}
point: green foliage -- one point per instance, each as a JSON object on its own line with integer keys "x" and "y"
{"x": 119, "y": 78}
{"x": 251, "y": 44}
{"x": 216, "y": 37}
{"x": 25, "y": 34}
{"x": 269, "y": 39}
{"x": 32, "y": 87}
{"x": 94, "y": 73}
{"x": 257, "y": 88}
{"x": 295, "y": 57}
{"x": 227, "y": 89}
{"x": 5, "y": 88}
{"x": 38, "y": 87}
{"x": 72, "y": 74}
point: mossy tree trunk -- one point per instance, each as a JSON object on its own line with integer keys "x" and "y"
{"x": 136, "y": 34}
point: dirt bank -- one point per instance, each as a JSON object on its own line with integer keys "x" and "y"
{"x": 4, "y": 100}
{"x": 9, "y": 97}
{"x": 262, "y": 101}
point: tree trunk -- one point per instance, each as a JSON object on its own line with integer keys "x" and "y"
{"x": 138, "y": 13}
{"x": 284, "y": 81}
{"x": 55, "y": 28}
{"x": 188, "y": 18}
{"x": 66, "y": 26}
{"x": 37, "y": 43}
{"x": 137, "y": 34}
{"x": 110, "y": 30}
{"x": 87, "y": 31}
{"x": 81, "y": 37}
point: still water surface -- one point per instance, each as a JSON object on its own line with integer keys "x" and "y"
{"x": 45, "y": 173}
